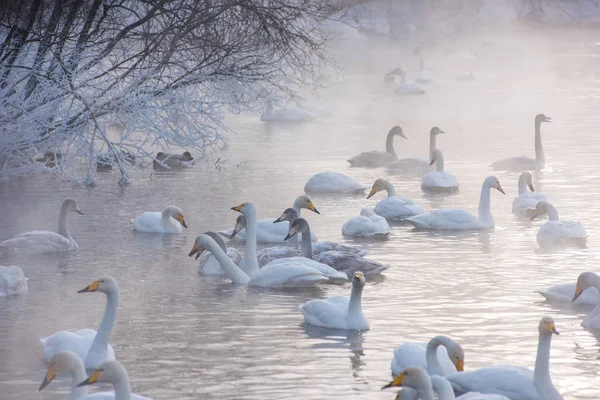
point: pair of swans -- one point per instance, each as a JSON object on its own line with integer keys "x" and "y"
{"x": 516, "y": 383}
{"x": 366, "y": 225}
{"x": 527, "y": 163}
{"x": 36, "y": 242}
{"x": 439, "y": 181}
{"x": 556, "y": 231}
{"x": 416, "y": 165}
{"x": 169, "y": 220}
{"x": 524, "y": 204}
{"x": 268, "y": 231}
{"x": 338, "y": 312}
{"x": 67, "y": 362}
{"x": 333, "y": 183}
{"x": 88, "y": 344}
{"x": 286, "y": 114}
{"x": 12, "y": 281}
{"x": 393, "y": 207}
{"x": 457, "y": 219}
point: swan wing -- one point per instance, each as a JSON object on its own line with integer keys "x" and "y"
{"x": 210, "y": 266}
{"x": 409, "y": 88}
{"x": 349, "y": 263}
{"x": 151, "y": 222}
{"x": 397, "y": 208}
{"x": 525, "y": 203}
{"x": 446, "y": 219}
{"x": 37, "y": 242}
{"x": 266, "y": 255}
{"x": 414, "y": 165}
{"x": 362, "y": 226}
{"x": 372, "y": 159}
{"x": 513, "y": 382}
{"x": 320, "y": 247}
{"x": 332, "y": 182}
{"x": 481, "y": 396}
{"x": 564, "y": 294}
{"x": 328, "y": 313}
{"x": 563, "y": 232}
{"x": 79, "y": 342}
{"x": 287, "y": 272}
{"x": 441, "y": 180}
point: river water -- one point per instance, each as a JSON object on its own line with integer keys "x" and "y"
{"x": 184, "y": 336}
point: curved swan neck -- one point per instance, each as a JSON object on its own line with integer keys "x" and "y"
{"x": 485, "y": 214}
{"x": 443, "y": 388}
{"x": 122, "y": 388}
{"x": 306, "y": 244}
{"x": 541, "y": 371}
{"x": 552, "y": 212}
{"x": 389, "y": 144}
{"x": 250, "y": 259}
{"x": 63, "y": 222}
{"x": 439, "y": 162}
{"x": 78, "y": 374}
{"x": 539, "y": 150}
{"x": 235, "y": 273}
{"x": 433, "y": 363}
{"x": 100, "y": 344}
{"x": 523, "y": 184}
{"x": 167, "y": 221}
{"x": 389, "y": 188}
{"x": 355, "y": 304}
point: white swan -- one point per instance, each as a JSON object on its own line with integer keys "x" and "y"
{"x": 285, "y": 114}
{"x": 12, "y": 281}
{"x": 556, "y": 231}
{"x": 585, "y": 281}
{"x": 393, "y": 207}
{"x": 344, "y": 261}
{"x": 88, "y": 344}
{"x": 66, "y": 361}
{"x": 209, "y": 265}
{"x": 417, "y": 165}
{"x": 524, "y": 204}
{"x": 267, "y": 231}
{"x": 169, "y": 220}
{"x": 424, "y": 76}
{"x": 338, "y": 312}
{"x": 527, "y": 163}
{"x": 375, "y": 159}
{"x": 367, "y": 224}
{"x": 440, "y": 356}
{"x": 332, "y": 182}
{"x": 45, "y": 241}
{"x": 564, "y": 293}
{"x": 111, "y": 372}
{"x": 439, "y": 180}
{"x": 516, "y": 383}
{"x": 408, "y": 88}
{"x": 454, "y": 219}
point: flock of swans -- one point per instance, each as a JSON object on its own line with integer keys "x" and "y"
{"x": 298, "y": 259}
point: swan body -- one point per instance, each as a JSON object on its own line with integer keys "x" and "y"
{"x": 12, "y": 281}
{"x": 67, "y": 362}
{"x": 524, "y": 204}
{"x": 439, "y": 180}
{"x": 394, "y": 208}
{"x": 267, "y": 231}
{"x": 408, "y": 88}
{"x": 375, "y": 159}
{"x": 114, "y": 373}
{"x": 36, "y": 242}
{"x": 440, "y": 356}
{"x": 588, "y": 281}
{"x": 169, "y": 220}
{"x": 424, "y": 76}
{"x": 338, "y": 312}
{"x": 286, "y": 114}
{"x": 416, "y": 165}
{"x": 209, "y": 265}
{"x": 367, "y": 224}
{"x": 564, "y": 294}
{"x": 88, "y": 344}
{"x": 456, "y": 219}
{"x": 556, "y": 231}
{"x": 332, "y": 182}
{"x": 514, "y": 382}
{"x": 526, "y": 163}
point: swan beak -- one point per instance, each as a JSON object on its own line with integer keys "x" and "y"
{"x": 402, "y": 134}
{"x": 195, "y": 250}
{"x": 372, "y": 192}
{"x": 237, "y": 208}
{"x": 48, "y": 378}
{"x": 93, "y": 378}
{"x": 548, "y": 119}
{"x": 460, "y": 365}
{"x": 236, "y": 230}
{"x": 551, "y": 328}
{"x": 78, "y": 211}
{"x": 500, "y": 189}
{"x": 432, "y": 161}
{"x": 578, "y": 292}
{"x": 291, "y": 233}
{"x": 396, "y": 382}
{"x": 91, "y": 288}
{"x": 182, "y": 220}
{"x": 531, "y": 187}
{"x": 280, "y": 219}
{"x": 312, "y": 207}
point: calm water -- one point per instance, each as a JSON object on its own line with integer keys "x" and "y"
{"x": 184, "y": 336}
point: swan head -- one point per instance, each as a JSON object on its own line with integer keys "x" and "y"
{"x": 494, "y": 183}
{"x": 457, "y": 356}
{"x": 300, "y": 225}
{"x": 547, "y": 327}
{"x": 584, "y": 281}
{"x": 218, "y": 239}
{"x": 413, "y": 377}
{"x": 240, "y": 223}
{"x": 245, "y": 208}
{"x": 176, "y": 213}
{"x": 105, "y": 284}
{"x": 71, "y": 205}
{"x": 542, "y": 118}
{"x": 378, "y": 185}
{"x": 107, "y": 372}
{"x": 397, "y": 131}
{"x": 436, "y": 155}
{"x": 305, "y": 202}
{"x": 62, "y": 361}
{"x": 436, "y": 131}
{"x": 540, "y": 209}
{"x": 359, "y": 280}
{"x": 200, "y": 244}
{"x": 289, "y": 215}
{"x": 367, "y": 212}
{"x": 527, "y": 179}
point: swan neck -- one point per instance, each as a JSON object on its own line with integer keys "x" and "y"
{"x": 168, "y": 223}
{"x": 432, "y": 144}
{"x": 100, "y": 344}
{"x": 391, "y": 191}
{"x": 355, "y": 304}
{"x": 389, "y": 144}
{"x": 433, "y": 364}
{"x": 63, "y": 222}
{"x": 523, "y": 184}
{"x": 539, "y": 150}
{"x": 443, "y": 388}
{"x": 251, "y": 262}
{"x": 77, "y": 375}
{"x": 122, "y": 388}
{"x": 541, "y": 371}
{"x": 439, "y": 163}
{"x": 235, "y": 273}
{"x": 485, "y": 214}
{"x": 552, "y": 212}
{"x": 306, "y": 244}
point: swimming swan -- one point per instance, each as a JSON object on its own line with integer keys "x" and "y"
{"x": 417, "y": 165}
{"x": 66, "y": 361}
{"x": 88, "y": 344}
{"x": 440, "y": 356}
{"x": 114, "y": 373}
{"x": 456, "y": 219}
{"x": 527, "y": 163}
{"x": 12, "y": 281}
{"x": 439, "y": 181}
{"x": 564, "y": 293}
{"x": 585, "y": 281}
{"x": 556, "y": 231}
{"x": 169, "y": 220}
{"x": 209, "y": 265}
{"x": 393, "y": 207}
{"x": 516, "y": 383}
{"x": 285, "y": 114}
{"x": 338, "y": 312}
{"x": 408, "y": 88}
{"x": 375, "y": 159}
{"x": 332, "y": 182}
{"x": 35, "y": 242}
{"x": 367, "y": 224}
{"x": 524, "y": 204}
{"x": 423, "y": 76}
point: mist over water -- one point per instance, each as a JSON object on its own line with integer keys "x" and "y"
{"x": 184, "y": 336}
